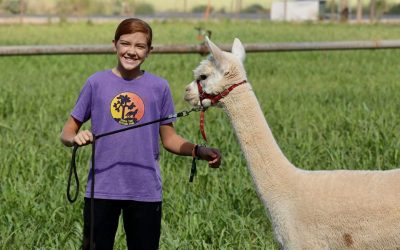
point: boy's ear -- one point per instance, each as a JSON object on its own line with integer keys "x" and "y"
{"x": 150, "y": 50}
{"x": 114, "y": 46}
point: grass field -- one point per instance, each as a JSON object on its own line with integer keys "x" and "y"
{"x": 327, "y": 110}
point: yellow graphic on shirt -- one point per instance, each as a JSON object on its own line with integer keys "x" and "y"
{"x": 127, "y": 108}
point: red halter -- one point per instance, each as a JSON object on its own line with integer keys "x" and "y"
{"x": 214, "y": 99}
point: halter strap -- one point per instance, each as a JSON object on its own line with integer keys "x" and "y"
{"x": 214, "y": 100}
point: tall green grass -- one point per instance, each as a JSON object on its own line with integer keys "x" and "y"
{"x": 177, "y": 32}
{"x": 327, "y": 110}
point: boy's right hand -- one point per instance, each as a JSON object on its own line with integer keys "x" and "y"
{"x": 83, "y": 138}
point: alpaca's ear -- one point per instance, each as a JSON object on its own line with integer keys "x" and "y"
{"x": 215, "y": 51}
{"x": 238, "y": 49}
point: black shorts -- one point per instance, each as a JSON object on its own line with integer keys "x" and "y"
{"x": 142, "y": 223}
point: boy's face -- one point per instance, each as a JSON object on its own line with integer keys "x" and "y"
{"x": 132, "y": 50}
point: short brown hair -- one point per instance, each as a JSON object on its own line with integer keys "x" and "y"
{"x": 133, "y": 25}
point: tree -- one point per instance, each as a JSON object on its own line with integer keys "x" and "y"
{"x": 359, "y": 10}
{"x": 15, "y": 6}
{"x": 344, "y": 10}
{"x": 124, "y": 101}
{"x": 372, "y": 11}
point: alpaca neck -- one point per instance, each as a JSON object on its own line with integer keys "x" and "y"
{"x": 269, "y": 167}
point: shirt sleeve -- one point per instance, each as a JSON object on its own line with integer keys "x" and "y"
{"x": 167, "y": 105}
{"x": 82, "y": 108}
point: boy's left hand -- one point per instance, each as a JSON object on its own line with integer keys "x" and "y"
{"x": 212, "y": 155}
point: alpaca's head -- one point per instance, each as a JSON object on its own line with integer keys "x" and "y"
{"x": 217, "y": 73}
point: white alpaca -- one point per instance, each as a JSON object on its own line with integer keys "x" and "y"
{"x": 343, "y": 209}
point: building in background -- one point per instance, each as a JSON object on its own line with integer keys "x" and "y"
{"x": 310, "y": 10}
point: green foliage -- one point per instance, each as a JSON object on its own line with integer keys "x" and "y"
{"x": 381, "y": 7}
{"x": 144, "y": 9}
{"x": 394, "y": 9}
{"x": 327, "y": 110}
{"x": 73, "y": 7}
{"x": 14, "y": 6}
{"x": 200, "y": 9}
{"x": 254, "y": 8}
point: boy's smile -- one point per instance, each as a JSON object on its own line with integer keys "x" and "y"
{"x": 132, "y": 50}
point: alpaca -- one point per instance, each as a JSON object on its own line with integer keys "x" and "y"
{"x": 332, "y": 209}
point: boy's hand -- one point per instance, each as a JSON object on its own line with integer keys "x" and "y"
{"x": 212, "y": 155}
{"x": 84, "y": 137}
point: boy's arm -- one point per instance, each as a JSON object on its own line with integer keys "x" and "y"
{"x": 174, "y": 143}
{"x": 70, "y": 136}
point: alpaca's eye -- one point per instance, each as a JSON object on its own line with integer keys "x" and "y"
{"x": 226, "y": 73}
{"x": 203, "y": 77}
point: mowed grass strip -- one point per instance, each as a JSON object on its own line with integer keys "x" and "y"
{"x": 327, "y": 110}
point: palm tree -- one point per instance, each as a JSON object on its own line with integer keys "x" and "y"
{"x": 124, "y": 101}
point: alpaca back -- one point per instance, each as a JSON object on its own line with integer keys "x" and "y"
{"x": 347, "y": 208}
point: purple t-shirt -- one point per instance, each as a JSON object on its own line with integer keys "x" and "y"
{"x": 126, "y": 163}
